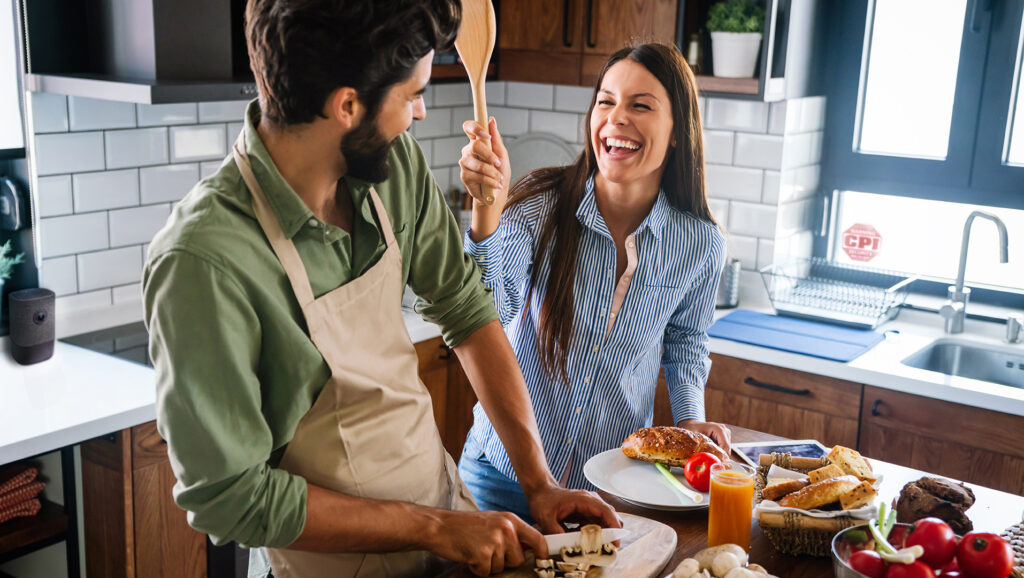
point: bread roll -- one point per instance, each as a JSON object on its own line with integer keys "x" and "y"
{"x": 820, "y": 493}
{"x": 829, "y": 471}
{"x": 669, "y": 445}
{"x": 776, "y": 490}
{"x": 852, "y": 463}
{"x": 862, "y": 495}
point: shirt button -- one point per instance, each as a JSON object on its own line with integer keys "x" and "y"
{"x": 595, "y": 349}
{"x": 579, "y": 409}
{"x": 629, "y": 243}
{"x": 612, "y": 315}
{"x": 568, "y": 441}
{"x": 312, "y": 222}
{"x": 586, "y": 379}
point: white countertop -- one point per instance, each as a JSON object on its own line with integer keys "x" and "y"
{"x": 75, "y": 395}
{"x": 80, "y": 394}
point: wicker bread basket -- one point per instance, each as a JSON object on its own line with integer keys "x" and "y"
{"x": 791, "y": 532}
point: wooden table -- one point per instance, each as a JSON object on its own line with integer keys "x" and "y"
{"x": 993, "y": 511}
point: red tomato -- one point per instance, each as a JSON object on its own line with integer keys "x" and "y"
{"x": 937, "y": 539}
{"x": 916, "y": 570}
{"x": 868, "y": 563}
{"x": 950, "y": 574}
{"x": 698, "y": 470}
{"x": 950, "y": 566}
{"x": 984, "y": 555}
{"x": 898, "y": 536}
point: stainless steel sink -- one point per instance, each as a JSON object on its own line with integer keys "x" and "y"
{"x": 971, "y": 361}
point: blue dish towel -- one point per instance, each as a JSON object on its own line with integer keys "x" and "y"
{"x": 795, "y": 335}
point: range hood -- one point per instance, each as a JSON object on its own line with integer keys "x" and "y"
{"x": 144, "y": 51}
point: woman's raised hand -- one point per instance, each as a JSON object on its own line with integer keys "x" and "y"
{"x": 485, "y": 162}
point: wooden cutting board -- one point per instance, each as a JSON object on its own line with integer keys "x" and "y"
{"x": 643, "y": 554}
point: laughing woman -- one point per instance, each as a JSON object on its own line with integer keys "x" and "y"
{"x": 602, "y": 272}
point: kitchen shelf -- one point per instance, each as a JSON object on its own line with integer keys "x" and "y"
{"x": 141, "y": 91}
{"x": 22, "y": 535}
{"x": 455, "y": 72}
{"x": 728, "y": 85}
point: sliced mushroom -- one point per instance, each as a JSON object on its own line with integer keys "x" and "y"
{"x": 544, "y": 572}
{"x": 590, "y": 551}
{"x": 576, "y": 574}
{"x": 545, "y": 563}
{"x": 568, "y": 566}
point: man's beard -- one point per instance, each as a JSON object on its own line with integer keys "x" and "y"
{"x": 366, "y": 152}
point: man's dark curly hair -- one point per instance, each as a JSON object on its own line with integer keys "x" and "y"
{"x": 302, "y": 50}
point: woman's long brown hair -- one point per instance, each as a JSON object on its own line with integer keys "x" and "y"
{"x": 683, "y": 183}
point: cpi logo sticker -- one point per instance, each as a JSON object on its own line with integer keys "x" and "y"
{"x": 862, "y": 242}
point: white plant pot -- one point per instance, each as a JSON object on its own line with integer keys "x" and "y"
{"x": 734, "y": 54}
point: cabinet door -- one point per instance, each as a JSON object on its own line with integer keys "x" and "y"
{"x": 613, "y": 24}
{"x": 948, "y": 439}
{"x": 176, "y": 550}
{"x": 540, "y": 41}
{"x": 783, "y": 402}
{"x": 461, "y": 399}
{"x": 107, "y": 506}
{"x": 433, "y": 359}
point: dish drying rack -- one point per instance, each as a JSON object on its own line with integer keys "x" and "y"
{"x": 821, "y": 290}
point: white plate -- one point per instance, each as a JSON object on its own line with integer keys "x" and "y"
{"x": 638, "y": 482}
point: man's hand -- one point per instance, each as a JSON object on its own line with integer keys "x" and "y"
{"x": 487, "y": 542}
{"x": 553, "y": 504}
{"x": 716, "y": 431}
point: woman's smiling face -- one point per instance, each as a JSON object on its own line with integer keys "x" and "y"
{"x": 631, "y": 124}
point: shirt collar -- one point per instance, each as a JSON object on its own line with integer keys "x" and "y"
{"x": 590, "y": 216}
{"x": 292, "y": 213}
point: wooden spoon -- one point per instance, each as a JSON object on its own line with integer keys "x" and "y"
{"x": 475, "y": 43}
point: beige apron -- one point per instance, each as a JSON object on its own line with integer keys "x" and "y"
{"x": 371, "y": 431}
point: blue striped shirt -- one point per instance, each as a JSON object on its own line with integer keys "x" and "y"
{"x": 663, "y": 321}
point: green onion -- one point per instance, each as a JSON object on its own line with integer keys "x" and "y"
{"x": 675, "y": 483}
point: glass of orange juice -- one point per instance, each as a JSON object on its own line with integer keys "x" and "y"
{"x": 731, "y": 504}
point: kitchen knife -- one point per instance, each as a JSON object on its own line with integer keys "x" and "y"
{"x": 570, "y": 539}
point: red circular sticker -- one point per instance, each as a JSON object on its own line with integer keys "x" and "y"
{"x": 862, "y": 242}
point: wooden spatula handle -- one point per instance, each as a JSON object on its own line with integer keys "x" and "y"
{"x": 480, "y": 116}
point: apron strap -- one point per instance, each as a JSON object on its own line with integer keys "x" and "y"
{"x": 283, "y": 248}
{"x": 385, "y": 222}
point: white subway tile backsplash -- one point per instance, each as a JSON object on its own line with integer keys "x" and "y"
{"x": 54, "y": 196}
{"x": 49, "y": 112}
{"x": 452, "y": 94}
{"x": 530, "y": 95}
{"x": 561, "y": 124}
{"x": 234, "y": 129}
{"x": 702, "y": 104}
{"x": 136, "y": 148}
{"x": 770, "y": 191}
{"x": 799, "y": 183}
{"x": 137, "y": 225}
{"x": 229, "y": 111}
{"x": 110, "y": 268}
{"x": 165, "y": 114}
{"x": 765, "y": 252}
{"x": 752, "y": 219}
{"x": 758, "y": 150}
{"x": 448, "y": 151}
{"x": 106, "y": 190}
{"x": 795, "y": 216}
{"x": 427, "y": 146}
{"x": 801, "y": 149}
{"x": 127, "y": 293}
{"x": 741, "y": 115}
{"x": 191, "y": 143}
{"x": 777, "y": 117}
{"x": 511, "y": 121}
{"x": 718, "y": 146}
{"x": 725, "y": 182}
{"x": 84, "y": 301}
{"x": 437, "y": 123}
{"x": 495, "y": 93}
{"x": 73, "y": 234}
{"x": 60, "y": 275}
{"x": 169, "y": 183}
{"x": 443, "y": 178}
{"x": 96, "y": 114}
{"x": 460, "y": 114}
{"x": 69, "y": 152}
{"x": 208, "y": 168}
{"x": 743, "y": 248}
{"x": 719, "y": 210}
{"x": 573, "y": 98}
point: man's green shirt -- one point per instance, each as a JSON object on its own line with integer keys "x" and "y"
{"x": 235, "y": 367}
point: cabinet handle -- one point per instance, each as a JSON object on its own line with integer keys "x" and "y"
{"x": 874, "y": 408}
{"x": 773, "y": 387}
{"x": 446, "y": 352}
{"x": 566, "y": 40}
{"x": 591, "y": 42}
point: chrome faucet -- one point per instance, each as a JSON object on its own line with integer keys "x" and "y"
{"x": 954, "y": 310}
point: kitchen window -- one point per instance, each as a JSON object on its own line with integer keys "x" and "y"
{"x": 12, "y": 136}
{"x": 925, "y": 124}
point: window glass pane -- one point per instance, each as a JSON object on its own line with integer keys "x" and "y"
{"x": 911, "y": 70}
{"x": 11, "y": 136}
{"x": 1015, "y": 126}
{"x": 923, "y": 237}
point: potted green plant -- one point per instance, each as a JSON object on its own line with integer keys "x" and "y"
{"x": 7, "y": 262}
{"x": 735, "y": 27}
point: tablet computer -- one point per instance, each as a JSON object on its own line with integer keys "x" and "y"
{"x": 750, "y": 452}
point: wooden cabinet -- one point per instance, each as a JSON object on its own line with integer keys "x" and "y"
{"x": 974, "y": 445}
{"x": 450, "y": 392}
{"x": 567, "y": 41}
{"x": 132, "y": 526}
{"x": 783, "y": 402}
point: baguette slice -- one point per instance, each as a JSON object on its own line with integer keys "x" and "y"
{"x": 819, "y": 494}
{"x": 829, "y": 471}
{"x": 852, "y": 463}
{"x": 861, "y": 495}
{"x": 669, "y": 445}
{"x": 777, "y": 489}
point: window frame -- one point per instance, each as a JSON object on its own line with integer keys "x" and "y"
{"x": 18, "y": 153}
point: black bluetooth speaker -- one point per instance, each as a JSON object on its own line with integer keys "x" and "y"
{"x": 32, "y": 333}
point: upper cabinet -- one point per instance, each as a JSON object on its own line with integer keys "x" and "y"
{"x": 568, "y": 41}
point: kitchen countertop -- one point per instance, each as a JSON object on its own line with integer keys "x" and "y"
{"x": 80, "y": 394}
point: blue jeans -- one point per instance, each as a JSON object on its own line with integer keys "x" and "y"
{"x": 491, "y": 489}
